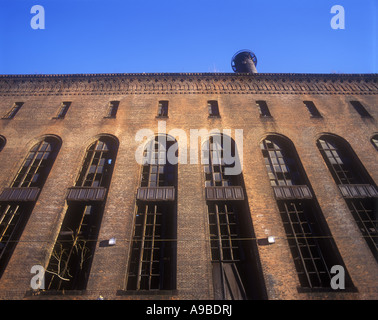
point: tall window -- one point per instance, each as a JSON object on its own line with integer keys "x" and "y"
{"x": 356, "y": 186}
{"x": 13, "y": 111}
{"x": 312, "y": 246}
{"x": 17, "y": 201}
{"x": 152, "y": 263}
{"x": 235, "y": 262}
{"x": 71, "y": 258}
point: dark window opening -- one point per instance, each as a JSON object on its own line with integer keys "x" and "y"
{"x": 152, "y": 263}
{"x": 14, "y": 213}
{"x": 71, "y": 258}
{"x": 162, "y": 109}
{"x": 263, "y": 108}
{"x": 2, "y": 142}
{"x": 13, "y": 111}
{"x": 112, "y": 109}
{"x": 213, "y": 109}
{"x": 63, "y": 110}
{"x": 360, "y": 109}
{"x": 348, "y": 172}
{"x": 311, "y": 244}
{"x": 235, "y": 262}
{"x": 314, "y": 112}
{"x": 73, "y": 251}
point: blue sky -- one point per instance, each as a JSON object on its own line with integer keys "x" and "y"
{"x": 134, "y": 36}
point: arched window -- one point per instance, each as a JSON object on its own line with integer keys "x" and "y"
{"x": 152, "y": 263}
{"x": 312, "y": 246}
{"x": 70, "y": 260}
{"x": 356, "y": 186}
{"x": 17, "y": 201}
{"x": 235, "y": 262}
{"x": 374, "y": 141}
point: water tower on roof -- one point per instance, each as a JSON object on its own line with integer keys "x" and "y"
{"x": 244, "y": 61}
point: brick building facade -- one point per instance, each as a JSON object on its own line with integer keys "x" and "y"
{"x": 273, "y": 232}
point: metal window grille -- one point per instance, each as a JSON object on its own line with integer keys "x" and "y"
{"x": 9, "y": 222}
{"x": 152, "y": 256}
{"x": 365, "y": 214}
{"x": 70, "y": 260}
{"x": 276, "y": 163}
{"x": 224, "y": 233}
{"x": 97, "y": 162}
{"x": 32, "y": 170}
{"x": 214, "y": 168}
{"x": 13, "y": 111}
{"x": 303, "y": 221}
{"x": 312, "y": 268}
{"x": 156, "y": 170}
{"x": 337, "y": 162}
{"x": 150, "y": 261}
{"x": 358, "y": 190}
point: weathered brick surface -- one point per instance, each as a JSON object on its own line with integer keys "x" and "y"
{"x": 187, "y": 96}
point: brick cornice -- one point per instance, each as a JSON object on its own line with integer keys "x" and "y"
{"x": 187, "y": 83}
